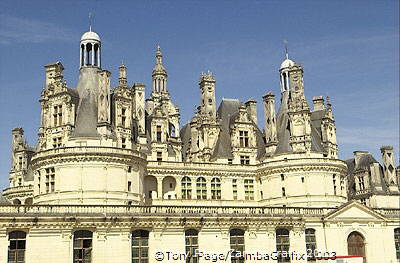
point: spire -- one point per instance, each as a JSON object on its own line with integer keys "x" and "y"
{"x": 286, "y": 48}
{"x": 159, "y": 74}
{"x": 122, "y": 80}
{"x": 159, "y": 55}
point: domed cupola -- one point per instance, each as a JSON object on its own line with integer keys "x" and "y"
{"x": 90, "y": 49}
{"x": 284, "y": 71}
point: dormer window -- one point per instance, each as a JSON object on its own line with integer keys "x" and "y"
{"x": 57, "y": 115}
{"x": 244, "y": 138}
{"x": 158, "y": 133}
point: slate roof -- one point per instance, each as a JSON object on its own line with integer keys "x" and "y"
{"x": 87, "y": 88}
{"x": 283, "y": 130}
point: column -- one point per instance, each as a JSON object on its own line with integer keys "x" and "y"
{"x": 160, "y": 188}
{"x": 92, "y": 55}
{"x": 178, "y": 188}
{"x": 84, "y": 55}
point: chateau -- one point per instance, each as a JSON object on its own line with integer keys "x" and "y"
{"x": 113, "y": 177}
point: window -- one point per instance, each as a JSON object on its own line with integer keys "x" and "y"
{"x": 311, "y": 243}
{"x": 123, "y": 143}
{"x": 397, "y": 242}
{"x": 283, "y": 244}
{"x": 57, "y": 142}
{"x": 363, "y": 201}
{"x": 20, "y": 162}
{"x": 244, "y": 138}
{"x": 83, "y": 246}
{"x": 334, "y": 183}
{"x": 186, "y": 186}
{"x": 201, "y": 188}
{"x": 57, "y": 115}
{"x": 230, "y": 161}
{"x": 234, "y": 189}
{"x": 16, "y": 247}
{"x": 50, "y": 180}
{"x": 237, "y": 245}
{"x": 244, "y": 160}
{"x": 191, "y": 245}
{"x": 38, "y": 173}
{"x": 140, "y": 246}
{"x": 283, "y": 191}
{"x": 159, "y": 156}
{"x": 361, "y": 185}
{"x": 249, "y": 189}
{"x": 282, "y": 177}
{"x": 216, "y": 188}
{"x": 159, "y": 133}
{"x": 129, "y": 186}
{"x": 302, "y": 179}
{"x": 123, "y": 117}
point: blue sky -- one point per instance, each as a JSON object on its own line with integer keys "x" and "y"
{"x": 349, "y": 50}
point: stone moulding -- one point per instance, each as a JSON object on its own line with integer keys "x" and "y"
{"x": 87, "y": 154}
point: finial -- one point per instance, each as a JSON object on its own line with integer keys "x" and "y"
{"x": 286, "y": 49}
{"x": 328, "y": 102}
{"x": 90, "y": 21}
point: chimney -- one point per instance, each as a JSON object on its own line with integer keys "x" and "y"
{"x": 251, "y": 108}
{"x": 318, "y": 102}
{"x": 389, "y": 170}
{"x": 358, "y": 155}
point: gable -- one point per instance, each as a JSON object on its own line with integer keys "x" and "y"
{"x": 354, "y": 211}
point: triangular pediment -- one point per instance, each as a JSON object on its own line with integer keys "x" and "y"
{"x": 354, "y": 211}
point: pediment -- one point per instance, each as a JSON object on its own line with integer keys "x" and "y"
{"x": 354, "y": 211}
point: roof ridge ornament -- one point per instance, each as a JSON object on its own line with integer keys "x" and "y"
{"x": 90, "y": 21}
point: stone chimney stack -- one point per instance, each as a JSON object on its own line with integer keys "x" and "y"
{"x": 358, "y": 155}
{"x": 318, "y": 102}
{"x": 251, "y": 108}
{"x": 389, "y": 170}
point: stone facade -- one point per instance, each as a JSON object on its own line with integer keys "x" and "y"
{"x": 114, "y": 171}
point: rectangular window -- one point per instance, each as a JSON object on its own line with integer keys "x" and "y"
{"x": 397, "y": 242}
{"x": 57, "y": 142}
{"x": 244, "y": 138}
{"x": 311, "y": 244}
{"x": 50, "y": 180}
{"x": 283, "y": 244}
{"x": 38, "y": 173}
{"x": 16, "y": 247}
{"x": 159, "y": 132}
{"x": 191, "y": 245}
{"x": 57, "y": 115}
{"x": 83, "y": 246}
{"x": 249, "y": 189}
{"x": 129, "y": 186}
{"x": 159, "y": 156}
{"x": 230, "y": 161}
{"x": 123, "y": 143}
{"x": 244, "y": 160}
{"x": 361, "y": 185}
{"x": 234, "y": 189}
{"x": 123, "y": 117}
{"x": 283, "y": 191}
{"x": 282, "y": 177}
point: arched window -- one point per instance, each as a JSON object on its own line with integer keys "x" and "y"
{"x": 140, "y": 246}
{"x": 237, "y": 245}
{"x": 201, "y": 188}
{"x": 355, "y": 244}
{"x": 186, "y": 186}
{"x": 16, "y": 247}
{"x": 216, "y": 189}
{"x": 311, "y": 244}
{"x": 283, "y": 244}
{"x": 191, "y": 245}
{"x": 397, "y": 242}
{"x": 83, "y": 246}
